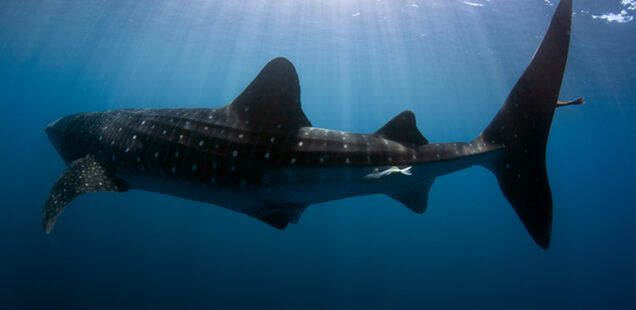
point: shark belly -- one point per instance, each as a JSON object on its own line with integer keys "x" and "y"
{"x": 245, "y": 189}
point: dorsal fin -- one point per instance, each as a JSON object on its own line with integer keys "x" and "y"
{"x": 402, "y": 129}
{"x": 272, "y": 101}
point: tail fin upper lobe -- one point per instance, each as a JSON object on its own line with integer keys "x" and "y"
{"x": 522, "y": 126}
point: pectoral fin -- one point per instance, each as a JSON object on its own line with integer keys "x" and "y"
{"x": 82, "y": 176}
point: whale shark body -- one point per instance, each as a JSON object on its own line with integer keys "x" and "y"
{"x": 261, "y": 156}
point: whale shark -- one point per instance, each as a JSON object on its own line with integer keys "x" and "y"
{"x": 261, "y": 156}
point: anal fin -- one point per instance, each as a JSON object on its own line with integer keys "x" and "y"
{"x": 414, "y": 197}
{"x": 279, "y": 215}
{"x": 82, "y": 176}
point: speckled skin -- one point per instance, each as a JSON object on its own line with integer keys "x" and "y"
{"x": 260, "y": 155}
{"x": 200, "y": 154}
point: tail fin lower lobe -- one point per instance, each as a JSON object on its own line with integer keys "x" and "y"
{"x": 522, "y": 126}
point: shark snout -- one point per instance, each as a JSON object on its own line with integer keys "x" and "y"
{"x": 55, "y": 132}
{"x": 61, "y": 134}
{"x": 62, "y": 126}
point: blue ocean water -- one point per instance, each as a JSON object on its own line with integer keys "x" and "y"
{"x": 359, "y": 63}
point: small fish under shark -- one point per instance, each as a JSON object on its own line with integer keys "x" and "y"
{"x": 261, "y": 156}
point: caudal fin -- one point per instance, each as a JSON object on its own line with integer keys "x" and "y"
{"x": 522, "y": 126}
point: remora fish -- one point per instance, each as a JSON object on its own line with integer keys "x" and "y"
{"x": 260, "y": 155}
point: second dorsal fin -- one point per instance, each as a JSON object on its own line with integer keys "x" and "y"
{"x": 402, "y": 129}
{"x": 272, "y": 101}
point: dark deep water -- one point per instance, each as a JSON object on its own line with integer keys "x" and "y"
{"x": 360, "y": 63}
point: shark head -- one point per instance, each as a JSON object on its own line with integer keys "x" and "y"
{"x": 60, "y": 135}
